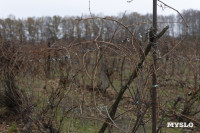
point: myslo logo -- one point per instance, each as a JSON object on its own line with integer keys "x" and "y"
{"x": 180, "y": 124}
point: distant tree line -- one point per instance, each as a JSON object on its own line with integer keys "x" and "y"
{"x": 40, "y": 29}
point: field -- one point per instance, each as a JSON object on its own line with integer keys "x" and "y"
{"x": 83, "y": 85}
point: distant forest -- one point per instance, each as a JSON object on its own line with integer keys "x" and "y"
{"x": 34, "y": 30}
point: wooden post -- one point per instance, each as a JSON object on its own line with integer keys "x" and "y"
{"x": 48, "y": 69}
{"x": 153, "y": 39}
{"x": 103, "y": 76}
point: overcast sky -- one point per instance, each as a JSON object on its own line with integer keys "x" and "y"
{"x": 30, "y": 8}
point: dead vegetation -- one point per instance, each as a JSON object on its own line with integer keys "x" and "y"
{"x": 57, "y": 86}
